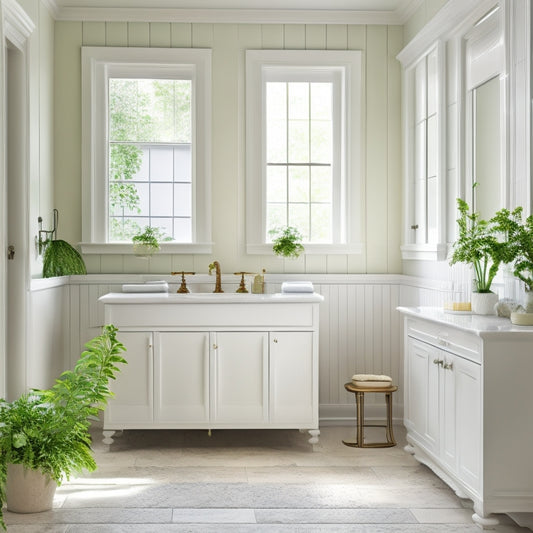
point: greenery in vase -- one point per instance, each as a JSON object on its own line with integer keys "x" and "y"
{"x": 519, "y": 236}
{"x": 287, "y": 242}
{"x": 48, "y": 430}
{"x": 149, "y": 238}
{"x": 478, "y": 245}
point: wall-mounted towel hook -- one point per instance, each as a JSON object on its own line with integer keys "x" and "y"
{"x": 48, "y": 234}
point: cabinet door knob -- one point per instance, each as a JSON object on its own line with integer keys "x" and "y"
{"x": 438, "y": 362}
{"x": 276, "y": 341}
{"x": 215, "y": 346}
{"x": 448, "y": 366}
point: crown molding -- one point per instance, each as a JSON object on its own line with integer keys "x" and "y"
{"x": 52, "y": 7}
{"x": 453, "y": 17}
{"x": 405, "y": 12}
{"x": 232, "y": 16}
{"x": 18, "y": 26}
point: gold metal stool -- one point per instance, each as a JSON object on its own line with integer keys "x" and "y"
{"x": 360, "y": 408}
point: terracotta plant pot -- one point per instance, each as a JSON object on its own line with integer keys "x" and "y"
{"x": 29, "y": 491}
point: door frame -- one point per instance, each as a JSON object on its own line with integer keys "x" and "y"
{"x": 15, "y": 31}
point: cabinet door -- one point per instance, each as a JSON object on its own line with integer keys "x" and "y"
{"x": 448, "y": 411}
{"x": 239, "y": 378}
{"x": 293, "y": 395}
{"x": 468, "y": 421}
{"x": 133, "y": 401}
{"x": 422, "y": 393}
{"x": 181, "y": 372}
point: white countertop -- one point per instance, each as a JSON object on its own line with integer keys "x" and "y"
{"x": 481, "y": 325}
{"x": 208, "y": 298}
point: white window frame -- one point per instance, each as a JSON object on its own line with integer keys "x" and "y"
{"x": 98, "y": 65}
{"x": 347, "y": 64}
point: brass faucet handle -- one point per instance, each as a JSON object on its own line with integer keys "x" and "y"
{"x": 242, "y": 286}
{"x": 183, "y": 287}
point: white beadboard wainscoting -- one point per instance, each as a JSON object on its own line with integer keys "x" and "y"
{"x": 360, "y": 329}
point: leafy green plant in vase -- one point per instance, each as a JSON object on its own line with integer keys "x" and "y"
{"x": 519, "y": 235}
{"x": 286, "y": 242}
{"x": 44, "y": 434}
{"x": 147, "y": 243}
{"x": 477, "y": 245}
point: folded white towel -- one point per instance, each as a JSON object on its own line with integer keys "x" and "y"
{"x": 297, "y": 286}
{"x": 371, "y": 377}
{"x": 145, "y": 287}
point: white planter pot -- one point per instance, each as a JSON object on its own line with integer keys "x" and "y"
{"x": 483, "y": 303}
{"x": 28, "y": 491}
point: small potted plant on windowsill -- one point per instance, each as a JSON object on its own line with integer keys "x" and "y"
{"x": 478, "y": 246}
{"x": 519, "y": 235}
{"x": 145, "y": 244}
{"x": 44, "y": 434}
{"x": 286, "y": 242}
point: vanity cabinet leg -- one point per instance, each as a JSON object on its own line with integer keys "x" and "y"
{"x": 315, "y": 433}
{"x": 484, "y": 522}
{"x": 108, "y": 434}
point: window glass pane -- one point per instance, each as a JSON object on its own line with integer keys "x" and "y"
{"x": 182, "y": 229}
{"x": 182, "y": 200}
{"x": 276, "y": 100}
{"x": 164, "y": 225}
{"x": 150, "y": 142}
{"x": 321, "y": 223}
{"x": 299, "y": 184}
{"x": 182, "y": 162}
{"x": 321, "y": 101}
{"x": 299, "y": 218}
{"x": 161, "y": 163}
{"x": 161, "y": 200}
{"x": 321, "y": 141}
{"x": 298, "y": 94}
{"x": 276, "y": 216}
{"x": 277, "y": 184}
{"x": 298, "y": 141}
{"x": 321, "y": 184}
{"x": 276, "y": 141}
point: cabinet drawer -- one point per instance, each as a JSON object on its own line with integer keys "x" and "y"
{"x": 447, "y": 338}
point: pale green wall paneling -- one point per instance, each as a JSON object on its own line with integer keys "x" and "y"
{"x": 377, "y": 196}
{"x": 67, "y": 129}
{"x": 160, "y": 34}
{"x": 394, "y": 145}
{"x": 116, "y": 34}
{"x": 337, "y": 37}
{"x": 272, "y": 36}
{"x": 294, "y": 37}
{"x": 380, "y": 157}
{"x": 427, "y": 10}
{"x": 138, "y": 34}
{"x": 315, "y": 37}
{"x": 93, "y": 34}
{"x": 180, "y": 35}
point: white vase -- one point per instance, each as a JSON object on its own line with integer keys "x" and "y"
{"x": 483, "y": 303}
{"x": 28, "y": 491}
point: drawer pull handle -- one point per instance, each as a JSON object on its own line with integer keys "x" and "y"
{"x": 438, "y": 362}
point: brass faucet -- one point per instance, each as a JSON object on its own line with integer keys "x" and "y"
{"x": 216, "y": 265}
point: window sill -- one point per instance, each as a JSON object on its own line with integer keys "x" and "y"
{"x": 310, "y": 249}
{"x": 88, "y": 248}
{"x": 424, "y": 252}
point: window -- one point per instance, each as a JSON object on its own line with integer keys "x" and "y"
{"x": 146, "y": 158}
{"x": 303, "y": 155}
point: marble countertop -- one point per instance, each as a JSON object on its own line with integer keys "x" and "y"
{"x": 478, "y": 324}
{"x": 209, "y": 298}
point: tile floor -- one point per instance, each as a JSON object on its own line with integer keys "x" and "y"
{"x": 248, "y": 481}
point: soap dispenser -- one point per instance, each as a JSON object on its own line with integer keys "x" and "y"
{"x": 258, "y": 286}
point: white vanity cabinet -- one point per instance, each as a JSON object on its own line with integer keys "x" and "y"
{"x": 467, "y": 397}
{"x": 215, "y": 361}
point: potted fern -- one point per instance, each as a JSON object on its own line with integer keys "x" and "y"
{"x": 146, "y": 243}
{"x": 287, "y": 242}
{"x": 44, "y": 434}
{"x": 477, "y": 245}
{"x": 519, "y": 235}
